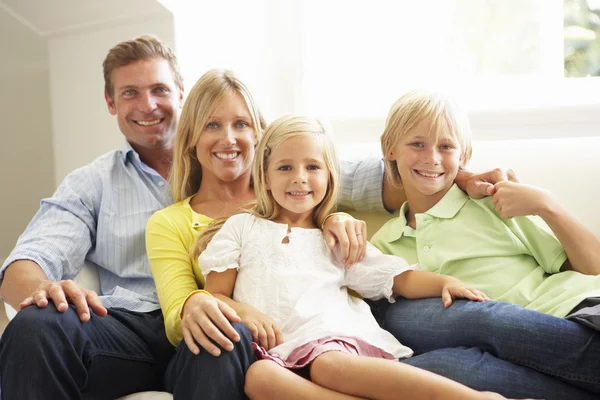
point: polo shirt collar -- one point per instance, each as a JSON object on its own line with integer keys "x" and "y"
{"x": 450, "y": 204}
{"x": 446, "y": 208}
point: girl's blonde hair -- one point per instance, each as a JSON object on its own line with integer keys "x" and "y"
{"x": 207, "y": 93}
{"x": 413, "y": 107}
{"x": 266, "y": 207}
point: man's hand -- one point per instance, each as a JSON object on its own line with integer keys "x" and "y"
{"x": 206, "y": 318}
{"x": 63, "y": 292}
{"x": 479, "y": 186}
{"x": 264, "y": 330}
{"x": 350, "y": 233}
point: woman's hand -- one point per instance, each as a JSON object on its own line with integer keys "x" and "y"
{"x": 518, "y": 199}
{"x": 455, "y": 289}
{"x": 350, "y": 233}
{"x": 205, "y": 318}
{"x": 264, "y": 330}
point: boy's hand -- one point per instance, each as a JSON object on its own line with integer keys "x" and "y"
{"x": 479, "y": 186}
{"x": 458, "y": 290}
{"x": 518, "y": 199}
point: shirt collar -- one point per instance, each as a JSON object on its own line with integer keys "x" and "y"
{"x": 128, "y": 149}
{"x": 446, "y": 208}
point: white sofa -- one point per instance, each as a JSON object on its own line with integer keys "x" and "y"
{"x": 566, "y": 166}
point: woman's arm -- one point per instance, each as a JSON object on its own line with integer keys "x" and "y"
{"x": 189, "y": 313}
{"x": 419, "y": 284}
{"x": 580, "y": 244}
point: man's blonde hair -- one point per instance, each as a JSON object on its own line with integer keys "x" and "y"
{"x": 145, "y": 47}
{"x": 408, "y": 111}
{"x": 207, "y": 93}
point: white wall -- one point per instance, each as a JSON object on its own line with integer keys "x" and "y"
{"x": 26, "y": 155}
{"x": 82, "y": 127}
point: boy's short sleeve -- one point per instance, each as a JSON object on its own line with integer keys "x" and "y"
{"x": 537, "y": 237}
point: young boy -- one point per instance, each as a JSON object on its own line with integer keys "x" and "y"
{"x": 517, "y": 260}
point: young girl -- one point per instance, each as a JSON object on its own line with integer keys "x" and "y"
{"x": 274, "y": 258}
{"x": 492, "y": 244}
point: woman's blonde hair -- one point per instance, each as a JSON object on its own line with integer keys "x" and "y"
{"x": 207, "y": 93}
{"x": 266, "y": 207}
{"x": 408, "y": 111}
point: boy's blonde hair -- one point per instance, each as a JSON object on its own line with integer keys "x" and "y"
{"x": 144, "y": 47}
{"x": 207, "y": 93}
{"x": 413, "y": 107}
{"x": 266, "y": 207}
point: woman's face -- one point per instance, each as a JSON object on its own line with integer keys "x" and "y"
{"x": 225, "y": 148}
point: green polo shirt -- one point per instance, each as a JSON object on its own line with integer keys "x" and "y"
{"x": 515, "y": 260}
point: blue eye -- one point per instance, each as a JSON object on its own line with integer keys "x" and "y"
{"x": 417, "y": 144}
{"x": 242, "y": 124}
{"x": 211, "y": 125}
{"x": 162, "y": 90}
{"x": 129, "y": 92}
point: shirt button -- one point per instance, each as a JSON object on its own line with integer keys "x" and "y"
{"x": 426, "y": 248}
{"x": 161, "y": 183}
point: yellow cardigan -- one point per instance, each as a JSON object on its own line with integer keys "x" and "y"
{"x": 170, "y": 234}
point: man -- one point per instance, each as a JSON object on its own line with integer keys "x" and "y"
{"x": 98, "y": 214}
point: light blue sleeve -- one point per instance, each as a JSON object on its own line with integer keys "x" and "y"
{"x": 63, "y": 230}
{"x": 362, "y": 185}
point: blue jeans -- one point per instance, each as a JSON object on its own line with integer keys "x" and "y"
{"x": 207, "y": 377}
{"x": 188, "y": 374}
{"x": 554, "y": 346}
{"x": 45, "y": 354}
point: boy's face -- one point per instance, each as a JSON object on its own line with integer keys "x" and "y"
{"x": 427, "y": 162}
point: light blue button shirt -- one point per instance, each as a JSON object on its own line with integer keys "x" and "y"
{"x": 99, "y": 214}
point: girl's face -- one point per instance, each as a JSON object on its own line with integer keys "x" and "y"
{"x": 428, "y": 163}
{"x": 297, "y": 177}
{"x": 225, "y": 148}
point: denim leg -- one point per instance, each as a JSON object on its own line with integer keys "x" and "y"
{"x": 207, "y": 377}
{"x": 482, "y": 371}
{"x": 555, "y": 346}
{"x": 45, "y": 354}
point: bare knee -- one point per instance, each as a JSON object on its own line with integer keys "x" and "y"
{"x": 326, "y": 368}
{"x": 259, "y": 379}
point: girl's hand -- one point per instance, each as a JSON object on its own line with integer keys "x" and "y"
{"x": 350, "y": 233}
{"x": 518, "y": 199}
{"x": 458, "y": 290}
{"x": 205, "y": 318}
{"x": 264, "y": 330}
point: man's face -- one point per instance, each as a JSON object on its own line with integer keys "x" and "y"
{"x": 147, "y": 103}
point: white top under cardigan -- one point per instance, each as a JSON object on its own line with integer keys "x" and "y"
{"x": 301, "y": 284}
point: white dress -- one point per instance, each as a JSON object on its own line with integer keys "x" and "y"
{"x": 301, "y": 284}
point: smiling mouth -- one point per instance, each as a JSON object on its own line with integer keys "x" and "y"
{"x": 429, "y": 174}
{"x": 227, "y": 156}
{"x": 299, "y": 193}
{"x": 150, "y": 123}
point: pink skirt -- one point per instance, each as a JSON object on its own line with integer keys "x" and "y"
{"x": 301, "y": 356}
